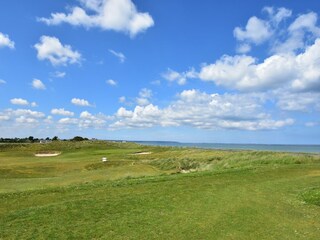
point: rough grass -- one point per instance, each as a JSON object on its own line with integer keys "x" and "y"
{"x": 232, "y": 194}
{"x": 312, "y": 196}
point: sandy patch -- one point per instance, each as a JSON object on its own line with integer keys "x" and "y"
{"x": 188, "y": 171}
{"x": 142, "y": 153}
{"x": 315, "y": 173}
{"x": 47, "y": 154}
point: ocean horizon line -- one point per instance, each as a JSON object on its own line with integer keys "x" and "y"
{"x": 303, "y": 148}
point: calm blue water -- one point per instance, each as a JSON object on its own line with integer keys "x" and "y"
{"x": 225, "y": 146}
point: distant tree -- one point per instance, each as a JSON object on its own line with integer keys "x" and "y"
{"x": 31, "y": 139}
{"x": 55, "y": 138}
{"x": 48, "y": 139}
{"x": 78, "y": 139}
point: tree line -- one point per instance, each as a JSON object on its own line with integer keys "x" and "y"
{"x": 32, "y": 139}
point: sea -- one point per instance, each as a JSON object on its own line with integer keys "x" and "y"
{"x": 234, "y": 146}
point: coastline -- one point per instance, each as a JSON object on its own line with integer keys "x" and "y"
{"x": 295, "y": 148}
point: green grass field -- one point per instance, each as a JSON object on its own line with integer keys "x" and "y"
{"x": 169, "y": 193}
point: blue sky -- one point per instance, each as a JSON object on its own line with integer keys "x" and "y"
{"x": 190, "y": 71}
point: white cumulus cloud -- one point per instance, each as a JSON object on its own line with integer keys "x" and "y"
{"x": 256, "y": 31}
{"x": 5, "y": 41}
{"x": 117, "y": 15}
{"x": 144, "y": 97}
{"x": 111, "y": 82}
{"x": 68, "y": 121}
{"x": 180, "y": 78}
{"x": 4, "y": 117}
{"x": 298, "y": 101}
{"x": 297, "y": 72}
{"x": 303, "y": 29}
{"x": 202, "y": 110}
{"x": 38, "y": 84}
{"x": 24, "y": 113}
{"x": 27, "y": 120}
{"x": 33, "y": 104}
{"x": 19, "y": 101}
{"x": 62, "y": 112}
{"x": 89, "y": 120}
{"x": 51, "y": 49}
{"x": 80, "y": 102}
{"x": 277, "y": 15}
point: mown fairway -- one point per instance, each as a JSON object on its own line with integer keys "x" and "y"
{"x": 222, "y": 195}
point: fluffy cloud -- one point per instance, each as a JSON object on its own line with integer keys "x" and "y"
{"x": 19, "y": 101}
{"x": 145, "y": 93}
{"x": 256, "y": 31}
{"x": 298, "y": 101}
{"x": 20, "y": 117}
{"x": 22, "y": 102}
{"x": 173, "y": 76}
{"x": 297, "y": 72}
{"x": 69, "y": 121}
{"x": 4, "y": 117}
{"x": 23, "y": 119}
{"x": 85, "y": 120}
{"x": 123, "y": 113}
{"x": 111, "y": 82}
{"x": 144, "y": 97}
{"x": 27, "y": 113}
{"x": 33, "y": 104}
{"x": 89, "y": 120}
{"x": 80, "y": 102}
{"x": 38, "y": 84}
{"x": 2, "y": 81}
{"x": 117, "y": 15}
{"x": 5, "y": 41}
{"x": 24, "y": 115}
{"x": 277, "y": 15}
{"x": 282, "y": 40}
{"x": 202, "y": 110}
{"x": 306, "y": 21}
{"x": 180, "y": 78}
{"x": 62, "y": 112}
{"x": 300, "y": 32}
{"x": 50, "y": 48}
{"x": 244, "y": 48}
{"x": 119, "y": 55}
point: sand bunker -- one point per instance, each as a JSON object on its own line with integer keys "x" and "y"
{"x": 142, "y": 153}
{"x": 314, "y": 173}
{"x": 188, "y": 171}
{"x": 47, "y": 154}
